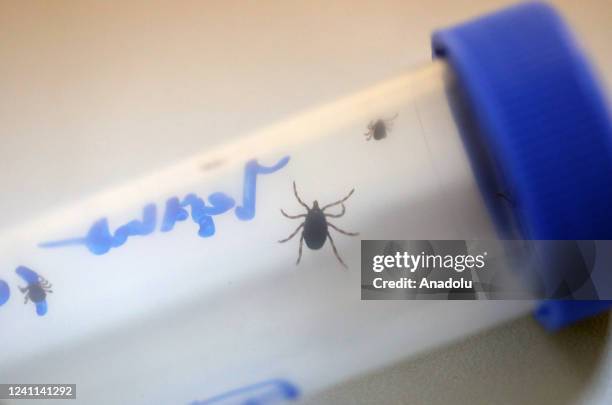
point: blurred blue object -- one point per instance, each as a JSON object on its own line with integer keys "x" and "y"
{"x": 543, "y": 120}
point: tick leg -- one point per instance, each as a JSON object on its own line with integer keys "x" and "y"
{"x": 339, "y": 201}
{"x": 337, "y": 215}
{"x": 292, "y": 216}
{"x": 293, "y": 234}
{"x": 336, "y": 251}
{"x": 27, "y": 297}
{"x": 300, "y": 253}
{"x": 370, "y": 132}
{"x": 341, "y": 231}
{"x": 389, "y": 120}
{"x": 505, "y": 197}
{"x": 298, "y": 197}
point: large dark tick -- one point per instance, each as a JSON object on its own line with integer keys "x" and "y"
{"x": 378, "y": 129}
{"x": 36, "y": 290}
{"x": 315, "y": 228}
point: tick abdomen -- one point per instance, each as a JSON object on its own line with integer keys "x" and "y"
{"x": 315, "y": 229}
{"x": 36, "y": 293}
{"x": 380, "y": 130}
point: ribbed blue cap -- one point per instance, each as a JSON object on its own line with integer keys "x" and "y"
{"x": 543, "y": 123}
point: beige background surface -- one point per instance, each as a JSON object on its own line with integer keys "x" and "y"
{"x": 96, "y": 92}
{"x": 516, "y": 363}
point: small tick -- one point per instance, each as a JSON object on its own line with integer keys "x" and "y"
{"x": 378, "y": 129}
{"x": 315, "y": 226}
{"x": 36, "y": 290}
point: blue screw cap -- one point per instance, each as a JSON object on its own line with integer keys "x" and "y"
{"x": 542, "y": 121}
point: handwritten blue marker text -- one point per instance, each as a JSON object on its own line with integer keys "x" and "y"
{"x": 100, "y": 240}
{"x": 5, "y": 292}
{"x": 262, "y": 393}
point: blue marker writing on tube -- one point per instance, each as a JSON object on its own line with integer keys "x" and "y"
{"x": 277, "y": 391}
{"x": 242, "y": 310}
{"x": 5, "y": 292}
{"x": 100, "y": 240}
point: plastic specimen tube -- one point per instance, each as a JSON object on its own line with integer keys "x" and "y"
{"x": 174, "y": 287}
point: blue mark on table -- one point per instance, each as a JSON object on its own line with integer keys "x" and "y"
{"x": 267, "y": 392}
{"x": 36, "y": 289}
{"x": 100, "y": 240}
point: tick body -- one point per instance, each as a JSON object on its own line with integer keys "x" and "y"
{"x": 315, "y": 228}
{"x": 378, "y": 129}
{"x": 36, "y": 290}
